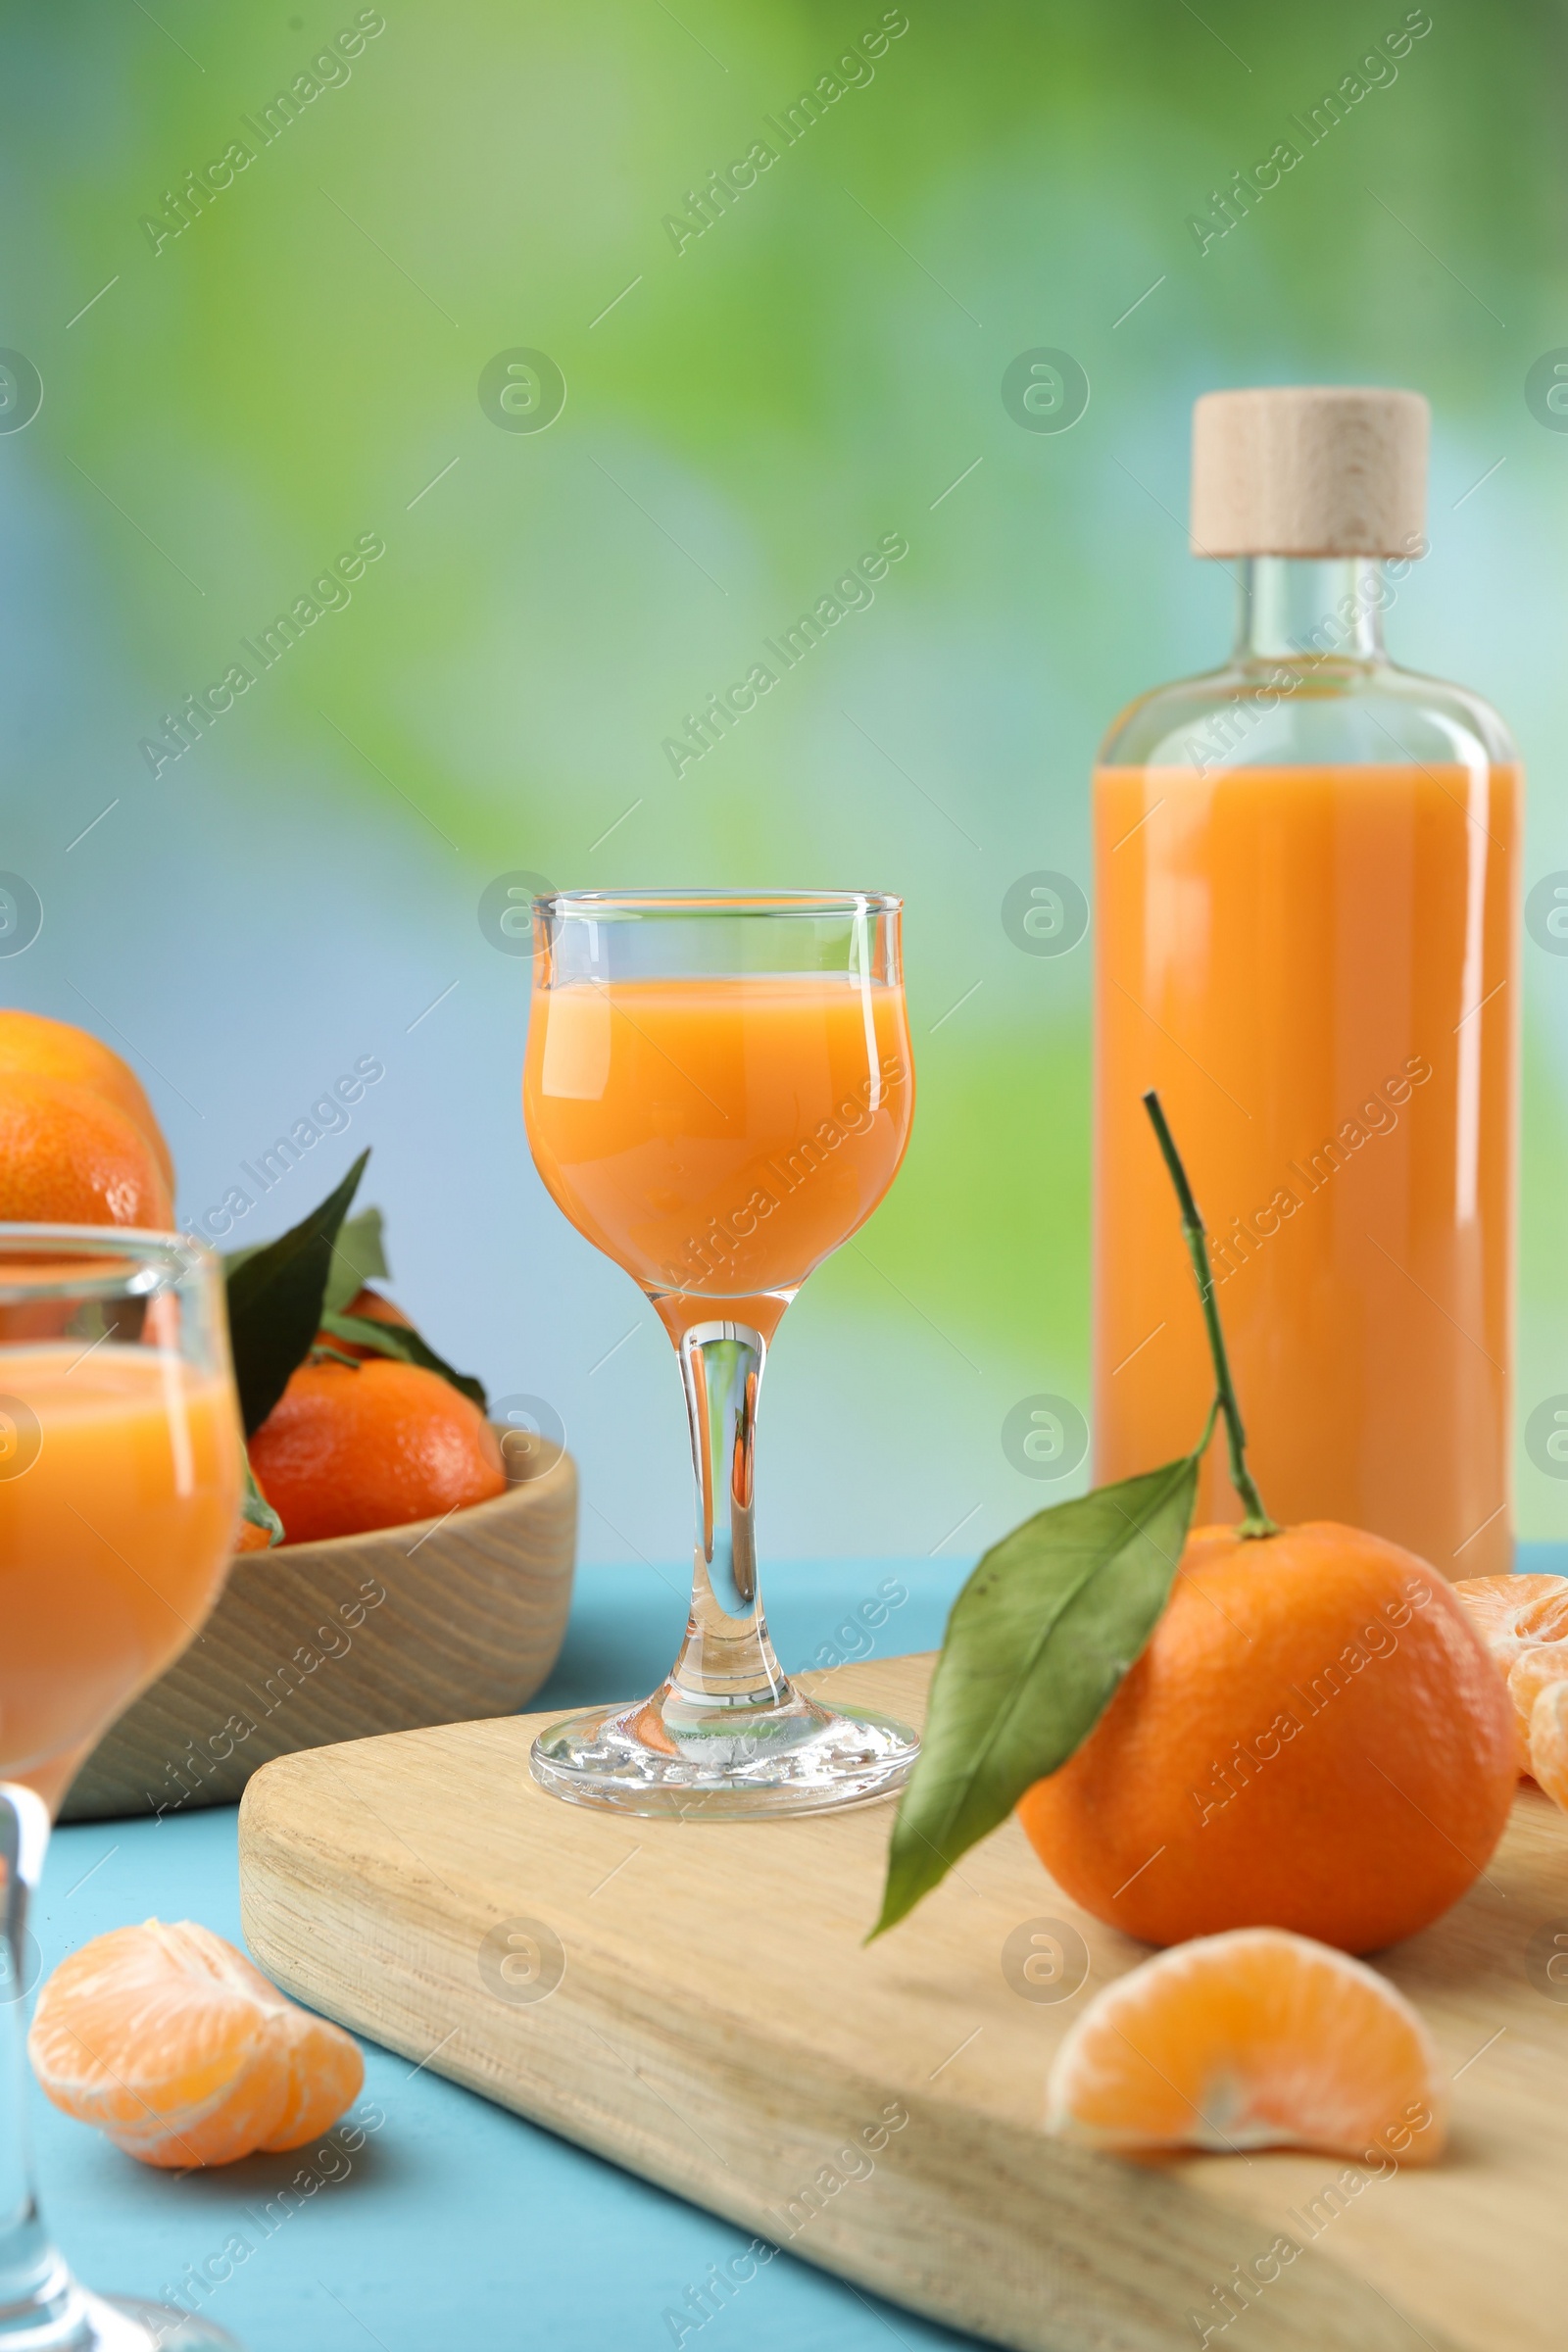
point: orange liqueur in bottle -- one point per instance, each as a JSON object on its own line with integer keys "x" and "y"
{"x": 1306, "y": 869}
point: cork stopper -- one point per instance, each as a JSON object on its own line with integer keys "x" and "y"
{"x": 1315, "y": 470}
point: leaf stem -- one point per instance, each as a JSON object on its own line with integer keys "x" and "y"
{"x": 1256, "y": 1521}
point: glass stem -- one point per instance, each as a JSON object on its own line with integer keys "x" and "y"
{"x": 40, "y": 2302}
{"x": 727, "y": 1664}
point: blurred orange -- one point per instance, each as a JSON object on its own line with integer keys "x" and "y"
{"x": 348, "y": 1448}
{"x": 32, "y": 1045}
{"x": 68, "y": 1155}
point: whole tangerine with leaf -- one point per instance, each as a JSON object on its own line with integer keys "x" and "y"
{"x": 355, "y": 1445}
{"x": 1234, "y": 1726}
{"x": 352, "y": 1420}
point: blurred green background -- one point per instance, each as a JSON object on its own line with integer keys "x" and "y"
{"x": 227, "y": 409}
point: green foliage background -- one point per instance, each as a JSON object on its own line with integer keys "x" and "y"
{"x": 817, "y": 369}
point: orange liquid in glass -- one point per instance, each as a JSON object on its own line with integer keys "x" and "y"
{"x": 1318, "y": 968}
{"x": 718, "y": 1137}
{"x": 114, "y": 1539}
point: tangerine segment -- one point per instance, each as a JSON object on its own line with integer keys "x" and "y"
{"x": 1512, "y": 1613}
{"x": 1516, "y": 1616}
{"x": 1529, "y": 1675}
{"x": 1256, "y": 2038}
{"x": 1548, "y": 1741}
{"x": 180, "y": 2052}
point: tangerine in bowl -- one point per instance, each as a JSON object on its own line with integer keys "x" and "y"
{"x": 371, "y": 1444}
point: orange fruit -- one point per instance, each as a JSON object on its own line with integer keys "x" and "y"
{"x": 1548, "y": 1740}
{"x": 1313, "y": 1739}
{"x": 183, "y": 2053}
{"x": 1523, "y": 1620}
{"x": 31, "y": 1043}
{"x": 1251, "y": 2039}
{"x": 348, "y": 1448}
{"x": 70, "y": 1156}
{"x": 375, "y": 1309}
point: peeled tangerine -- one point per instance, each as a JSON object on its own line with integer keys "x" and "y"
{"x": 183, "y": 2053}
{"x": 1256, "y": 2038}
{"x": 1523, "y": 1620}
{"x": 1548, "y": 1741}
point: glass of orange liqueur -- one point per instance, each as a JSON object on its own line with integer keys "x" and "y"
{"x": 719, "y": 1092}
{"x": 1307, "y": 875}
{"x": 121, "y": 1467}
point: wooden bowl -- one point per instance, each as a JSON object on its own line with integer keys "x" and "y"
{"x": 439, "y": 1621}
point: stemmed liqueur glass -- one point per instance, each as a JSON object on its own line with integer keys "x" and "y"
{"x": 121, "y": 1463}
{"x": 719, "y": 1092}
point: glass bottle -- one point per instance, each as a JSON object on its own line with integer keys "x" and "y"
{"x": 1307, "y": 941}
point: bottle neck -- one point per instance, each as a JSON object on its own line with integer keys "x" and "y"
{"x": 1299, "y": 608}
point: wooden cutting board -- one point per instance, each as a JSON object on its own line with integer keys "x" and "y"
{"x": 694, "y": 2001}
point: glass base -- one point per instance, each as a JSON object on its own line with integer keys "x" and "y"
{"x": 89, "y": 2322}
{"x": 795, "y": 1758}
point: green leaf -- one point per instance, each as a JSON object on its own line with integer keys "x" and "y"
{"x": 274, "y": 1301}
{"x": 402, "y": 1340}
{"x": 1035, "y": 1650}
{"x": 359, "y": 1258}
{"x": 254, "y": 1506}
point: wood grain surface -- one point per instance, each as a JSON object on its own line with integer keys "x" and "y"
{"x": 313, "y": 1643}
{"x": 718, "y": 2026}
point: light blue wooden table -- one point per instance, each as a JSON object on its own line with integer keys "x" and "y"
{"x": 457, "y": 2225}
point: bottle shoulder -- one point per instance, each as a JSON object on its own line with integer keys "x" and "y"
{"x": 1292, "y": 712}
